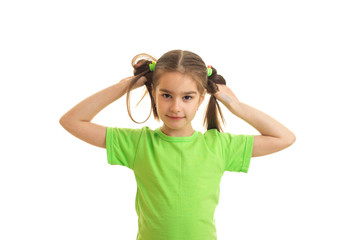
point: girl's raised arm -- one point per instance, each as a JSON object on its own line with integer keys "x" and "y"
{"x": 274, "y": 136}
{"x": 77, "y": 120}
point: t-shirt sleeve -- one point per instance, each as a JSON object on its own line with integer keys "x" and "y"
{"x": 121, "y": 145}
{"x": 237, "y": 151}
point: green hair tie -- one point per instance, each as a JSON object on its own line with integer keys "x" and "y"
{"x": 152, "y": 66}
{"x": 209, "y": 71}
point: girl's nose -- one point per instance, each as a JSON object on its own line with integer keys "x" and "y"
{"x": 175, "y": 106}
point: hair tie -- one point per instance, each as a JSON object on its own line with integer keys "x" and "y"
{"x": 209, "y": 70}
{"x": 152, "y": 66}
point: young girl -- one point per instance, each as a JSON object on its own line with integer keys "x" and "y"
{"x": 177, "y": 169}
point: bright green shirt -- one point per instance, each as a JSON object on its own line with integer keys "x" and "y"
{"x": 178, "y": 178}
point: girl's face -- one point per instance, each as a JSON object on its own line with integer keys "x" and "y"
{"x": 177, "y": 99}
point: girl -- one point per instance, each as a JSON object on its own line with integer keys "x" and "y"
{"x": 177, "y": 169}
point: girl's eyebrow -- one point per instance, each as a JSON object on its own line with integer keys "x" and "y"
{"x": 189, "y": 92}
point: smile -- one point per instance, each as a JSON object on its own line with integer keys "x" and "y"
{"x": 175, "y": 118}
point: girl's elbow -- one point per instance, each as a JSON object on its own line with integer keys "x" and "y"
{"x": 291, "y": 139}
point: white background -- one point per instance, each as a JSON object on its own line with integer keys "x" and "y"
{"x": 297, "y": 61}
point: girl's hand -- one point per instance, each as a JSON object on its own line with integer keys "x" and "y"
{"x": 225, "y": 95}
{"x": 140, "y": 82}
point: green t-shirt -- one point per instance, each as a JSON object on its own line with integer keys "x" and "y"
{"x": 178, "y": 178}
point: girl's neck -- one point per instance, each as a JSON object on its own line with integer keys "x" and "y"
{"x": 177, "y": 133}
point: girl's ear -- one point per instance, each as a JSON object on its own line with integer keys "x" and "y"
{"x": 202, "y": 97}
{"x": 153, "y": 91}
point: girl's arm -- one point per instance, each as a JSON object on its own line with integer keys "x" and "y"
{"x": 274, "y": 136}
{"x": 77, "y": 120}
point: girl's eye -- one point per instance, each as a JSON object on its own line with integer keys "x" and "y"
{"x": 169, "y": 96}
{"x": 188, "y": 97}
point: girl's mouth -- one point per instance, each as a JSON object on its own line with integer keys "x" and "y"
{"x": 175, "y": 118}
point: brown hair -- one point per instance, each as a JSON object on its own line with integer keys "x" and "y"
{"x": 185, "y": 62}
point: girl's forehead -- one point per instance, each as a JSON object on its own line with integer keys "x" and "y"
{"x": 177, "y": 82}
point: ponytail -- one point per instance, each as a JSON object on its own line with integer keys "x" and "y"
{"x": 211, "y": 120}
{"x": 141, "y": 68}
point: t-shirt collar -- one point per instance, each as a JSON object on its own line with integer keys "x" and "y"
{"x": 176, "y": 139}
